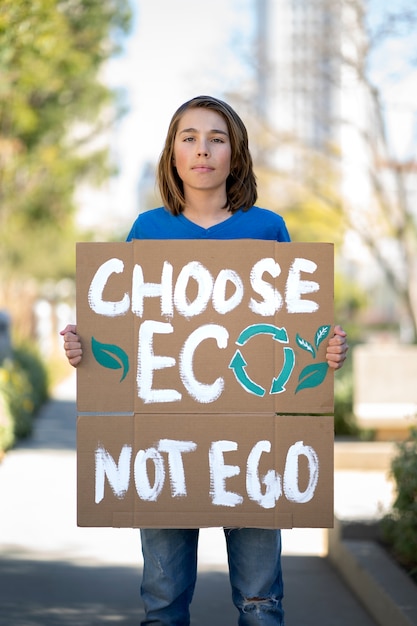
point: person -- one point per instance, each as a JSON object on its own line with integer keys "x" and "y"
{"x": 208, "y": 187}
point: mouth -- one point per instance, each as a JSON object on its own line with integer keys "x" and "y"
{"x": 202, "y": 168}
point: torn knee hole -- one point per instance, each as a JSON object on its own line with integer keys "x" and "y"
{"x": 259, "y": 604}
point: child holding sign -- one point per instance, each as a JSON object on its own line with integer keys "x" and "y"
{"x": 208, "y": 188}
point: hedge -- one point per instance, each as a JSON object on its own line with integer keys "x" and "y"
{"x": 23, "y": 390}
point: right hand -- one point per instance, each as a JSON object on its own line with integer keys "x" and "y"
{"x": 72, "y": 344}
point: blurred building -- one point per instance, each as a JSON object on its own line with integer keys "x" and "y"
{"x": 299, "y": 67}
{"x": 311, "y": 98}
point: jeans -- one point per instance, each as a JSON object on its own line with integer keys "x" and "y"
{"x": 170, "y": 572}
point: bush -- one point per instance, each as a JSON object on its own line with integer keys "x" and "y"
{"x": 30, "y": 362}
{"x": 23, "y": 390}
{"x": 399, "y": 528}
{"x": 344, "y": 419}
{"x": 7, "y": 437}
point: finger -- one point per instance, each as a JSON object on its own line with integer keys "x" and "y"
{"x": 69, "y": 328}
{"x": 335, "y": 362}
{"x": 74, "y": 355}
{"x": 70, "y": 338}
{"x": 335, "y": 365}
{"x": 336, "y": 357}
{"x": 74, "y": 361}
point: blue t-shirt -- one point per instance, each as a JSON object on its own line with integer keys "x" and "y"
{"x": 256, "y": 223}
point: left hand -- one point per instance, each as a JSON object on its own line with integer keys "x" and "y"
{"x": 337, "y": 348}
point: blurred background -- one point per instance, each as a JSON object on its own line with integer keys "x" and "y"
{"x": 327, "y": 91}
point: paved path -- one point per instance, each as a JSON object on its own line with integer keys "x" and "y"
{"x": 53, "y": 573}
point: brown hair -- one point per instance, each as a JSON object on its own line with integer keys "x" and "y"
{"x": 241, "y": 184}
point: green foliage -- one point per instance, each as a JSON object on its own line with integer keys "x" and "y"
{"x": 350, "y": 301}
{"x": 315, "y": 211}
{"x": 16, "y": 389}
{"x": 399, "y": 528}
{"x": 7, "y": 437}
{"x": 23, "y": 390}
{"x": 311, "y": 220}
{"x": 51, "y": 105}
{"x": 28, "y": 360}
{"x": 344, "y": 419}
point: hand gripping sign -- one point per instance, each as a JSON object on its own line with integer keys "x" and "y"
{"x": 204, "y": 395}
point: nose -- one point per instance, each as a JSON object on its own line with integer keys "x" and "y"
{"x": 202, "y": 148}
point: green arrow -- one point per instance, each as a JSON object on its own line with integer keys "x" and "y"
{"x": 238, "y": 364}
{"x": 278, "y": 383}
{"x": 278, "y": 334}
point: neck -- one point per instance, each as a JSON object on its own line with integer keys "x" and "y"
{"x": 206, "y": 210}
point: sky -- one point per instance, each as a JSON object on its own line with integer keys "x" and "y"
{"x": 394, "y": 70}
{"x": 176, "y": 50}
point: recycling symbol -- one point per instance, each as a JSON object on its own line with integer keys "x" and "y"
{"x": 238, "y": 363}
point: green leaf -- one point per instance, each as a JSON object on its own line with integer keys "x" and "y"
{"x": 305, "y": 345}
{"x": 312, "y": 376}
{"x": 321, "y": 334}
{"x": 110, "y": 356}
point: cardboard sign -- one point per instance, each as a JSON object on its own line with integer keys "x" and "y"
{"x": 202, "y": 381}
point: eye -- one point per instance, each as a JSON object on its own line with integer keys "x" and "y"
{"x": 218, "y": 140}
{"x": 188, "y": 139}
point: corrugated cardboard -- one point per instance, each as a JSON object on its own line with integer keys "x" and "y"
{"x": 204, "y": 394}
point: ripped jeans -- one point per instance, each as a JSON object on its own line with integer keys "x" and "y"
{"x": 170, "y": 571}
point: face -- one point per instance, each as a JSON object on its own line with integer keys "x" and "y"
{"x": 202, "y": 151}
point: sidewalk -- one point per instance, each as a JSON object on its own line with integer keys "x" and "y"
{"x": 53, "y": 573}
